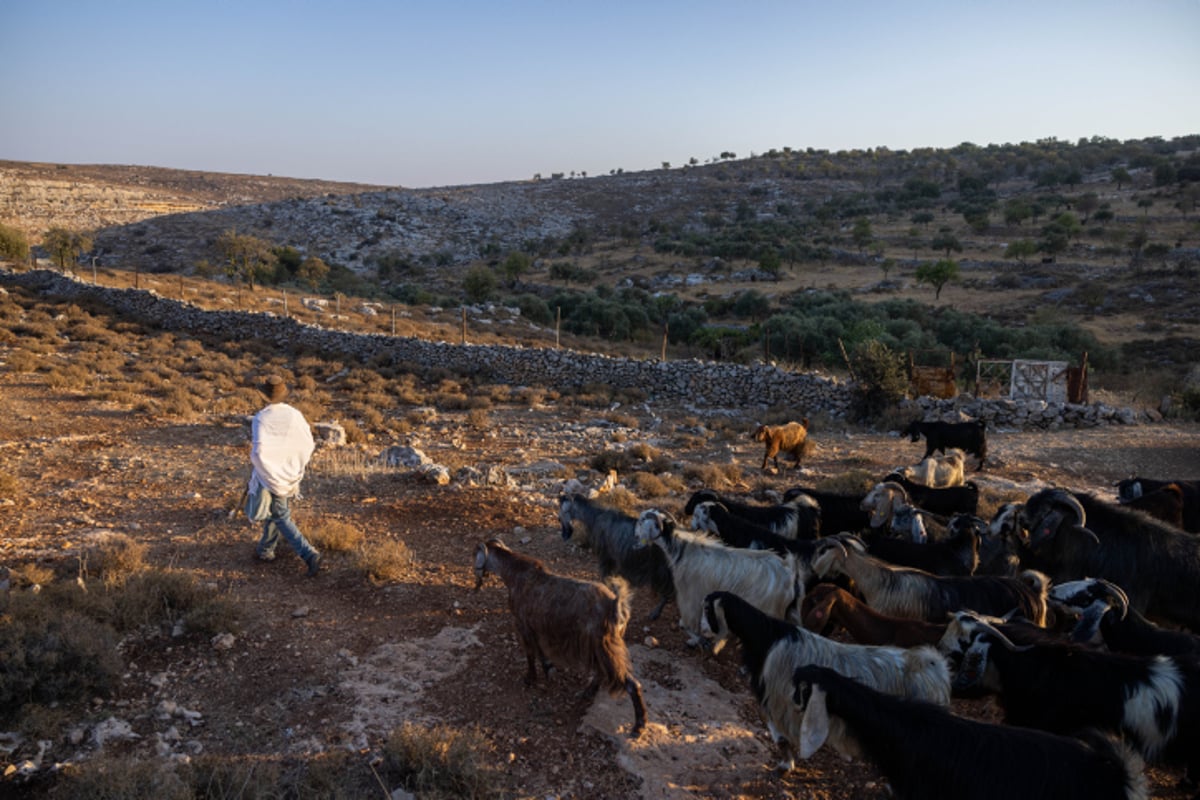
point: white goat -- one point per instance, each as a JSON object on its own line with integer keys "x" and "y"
{"x": 938, "y": 472}
{"x": 701, "y": 565}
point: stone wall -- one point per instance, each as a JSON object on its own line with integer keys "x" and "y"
{"x": 702, "y": 385}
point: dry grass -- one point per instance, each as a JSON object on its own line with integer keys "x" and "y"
{"x": 385, "y": 561}
{"x": 442, "y": 762}
{"x": 335, "y": 535}
{"x": 116, "y": 559}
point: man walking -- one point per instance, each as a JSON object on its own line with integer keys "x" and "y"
{"x": 281, "y": 445}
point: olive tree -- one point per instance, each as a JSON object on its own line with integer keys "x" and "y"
{"x": 66, "y": 246}
{"x": 937, "y": 274}
{"x": 246, "y": 258}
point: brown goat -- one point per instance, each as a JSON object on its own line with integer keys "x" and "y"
{"x": 829, "y": 605}
{"x": 568, "y": 622}
{"x": 789, "y": 438}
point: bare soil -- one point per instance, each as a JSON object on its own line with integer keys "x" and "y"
{"x": 336, "y": 662}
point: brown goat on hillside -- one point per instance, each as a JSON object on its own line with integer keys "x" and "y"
{"x": 788, "y": 438}
{"x": 568, "y": 622}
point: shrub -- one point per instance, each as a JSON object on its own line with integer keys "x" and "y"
{"x": 335, "y": 535}
{"x": 712, "y": 476}
{"x": 117, "y": 558}
{"x": 53, "y": 654}
{"x": 881, "y": 381}
{"x": 441, "y": 761}
{"x": 8, "y": 485}
{"x": 121, "y": 778}
{"x": 385, "y": 561}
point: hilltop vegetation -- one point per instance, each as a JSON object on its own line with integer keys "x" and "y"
{"x": 1043, "y": 249}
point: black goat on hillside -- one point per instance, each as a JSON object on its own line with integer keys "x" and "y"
{"x": 970, "y": 437}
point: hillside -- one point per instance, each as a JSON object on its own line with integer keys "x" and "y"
{"x": 859, "y": 221}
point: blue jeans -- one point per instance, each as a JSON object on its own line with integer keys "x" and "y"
{"x": 279, "y": 522}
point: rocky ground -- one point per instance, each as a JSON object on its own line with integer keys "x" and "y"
{"x": 336, "y": 662}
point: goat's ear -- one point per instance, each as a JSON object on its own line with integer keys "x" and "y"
{"x": 814, "y": 728}
{"x": 480, "y": 556}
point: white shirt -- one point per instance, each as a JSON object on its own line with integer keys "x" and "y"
{"x": 282, "y": 444}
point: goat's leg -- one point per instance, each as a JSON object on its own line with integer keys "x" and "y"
{"x": 634, "y": 689}
{"x": 658, "y": 609}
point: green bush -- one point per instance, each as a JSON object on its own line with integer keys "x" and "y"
{"x": 881, "y": 381}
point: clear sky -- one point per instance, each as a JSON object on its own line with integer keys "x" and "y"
{"x": 435, "y": 93}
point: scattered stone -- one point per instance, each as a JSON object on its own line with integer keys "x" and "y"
{"x": 223, "y": 641}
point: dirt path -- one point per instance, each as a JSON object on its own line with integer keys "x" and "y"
{"x": 335, "y": 662}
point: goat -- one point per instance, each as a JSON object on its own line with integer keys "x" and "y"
{"x": 945, "y": 501}
{"x": 1071, "y": 536}
{"x": 970, "y": 437}
{"x": 568, "y": 622}
{"x": 840, "y": 513}
{"x": 700, "y": 565}
{"x": 925, "y": 751}
{"x": 1153, "y": 701}
{"x": 789, "y": 438}
{"x": 772, "y": 649}
{"x": 734, "y": 531}
{"x": 915, "y": 594}
{"x": 611, "y": 537}
{"x": 1165, "y": 503}
{"x": 795, "y": 518}
{"x": 1105, "y": 618}
{"x": 1131, "y": 489}
{"x": 997, "y": 545}
{"x": 827, "y": 605}
{"x": 938, "y": 471}
{"x": 956, "y": 555}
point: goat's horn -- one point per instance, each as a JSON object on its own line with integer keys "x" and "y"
{"x": 1116, "y": 594}
{"x": 1004, "y": 640}
{"x": 1068, "y": 499}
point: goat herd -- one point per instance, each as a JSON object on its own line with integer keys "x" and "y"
{"x": 1048, "y": 605}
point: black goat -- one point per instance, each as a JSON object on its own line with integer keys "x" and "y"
{"x": 997, "y": 549}
{"x": 1153, "y": 701}
{"x": 955, "y": 555}
{"x": 840, "y": 513}
{"x": 1071, "y": 536}
{"x": 1131, "y": 490}
{"x": 1105, "y": 618}
{"x": 970, "y": 437}
{"x": 925, "y": 751}
{"x": 946, "y": 500}
{"x": 795, "y": 518}
{"x": 612, "y": 538}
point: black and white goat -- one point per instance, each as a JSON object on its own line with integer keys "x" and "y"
{"x": 1071, "y": 536}
{"x": 916, "y": 594}
{"x": 772, "y": 649}
{"x": 840, "y": 513}
{"x": 1131, "y": 489}
{"x": 735, "y": 531}
{"x": 925, "y": 751}
{"x": 962, "y": 499}
{"x": 566, "y": 622}
{"x": 795, "y": 518}
{"x": 1105, "y": 619}
{"x": 701, "y": 565}
{"x": 611, "y": 537}
{"x": 1153, "y": 701}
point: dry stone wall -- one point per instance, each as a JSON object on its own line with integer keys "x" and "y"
{"x": 702, "y": 385}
